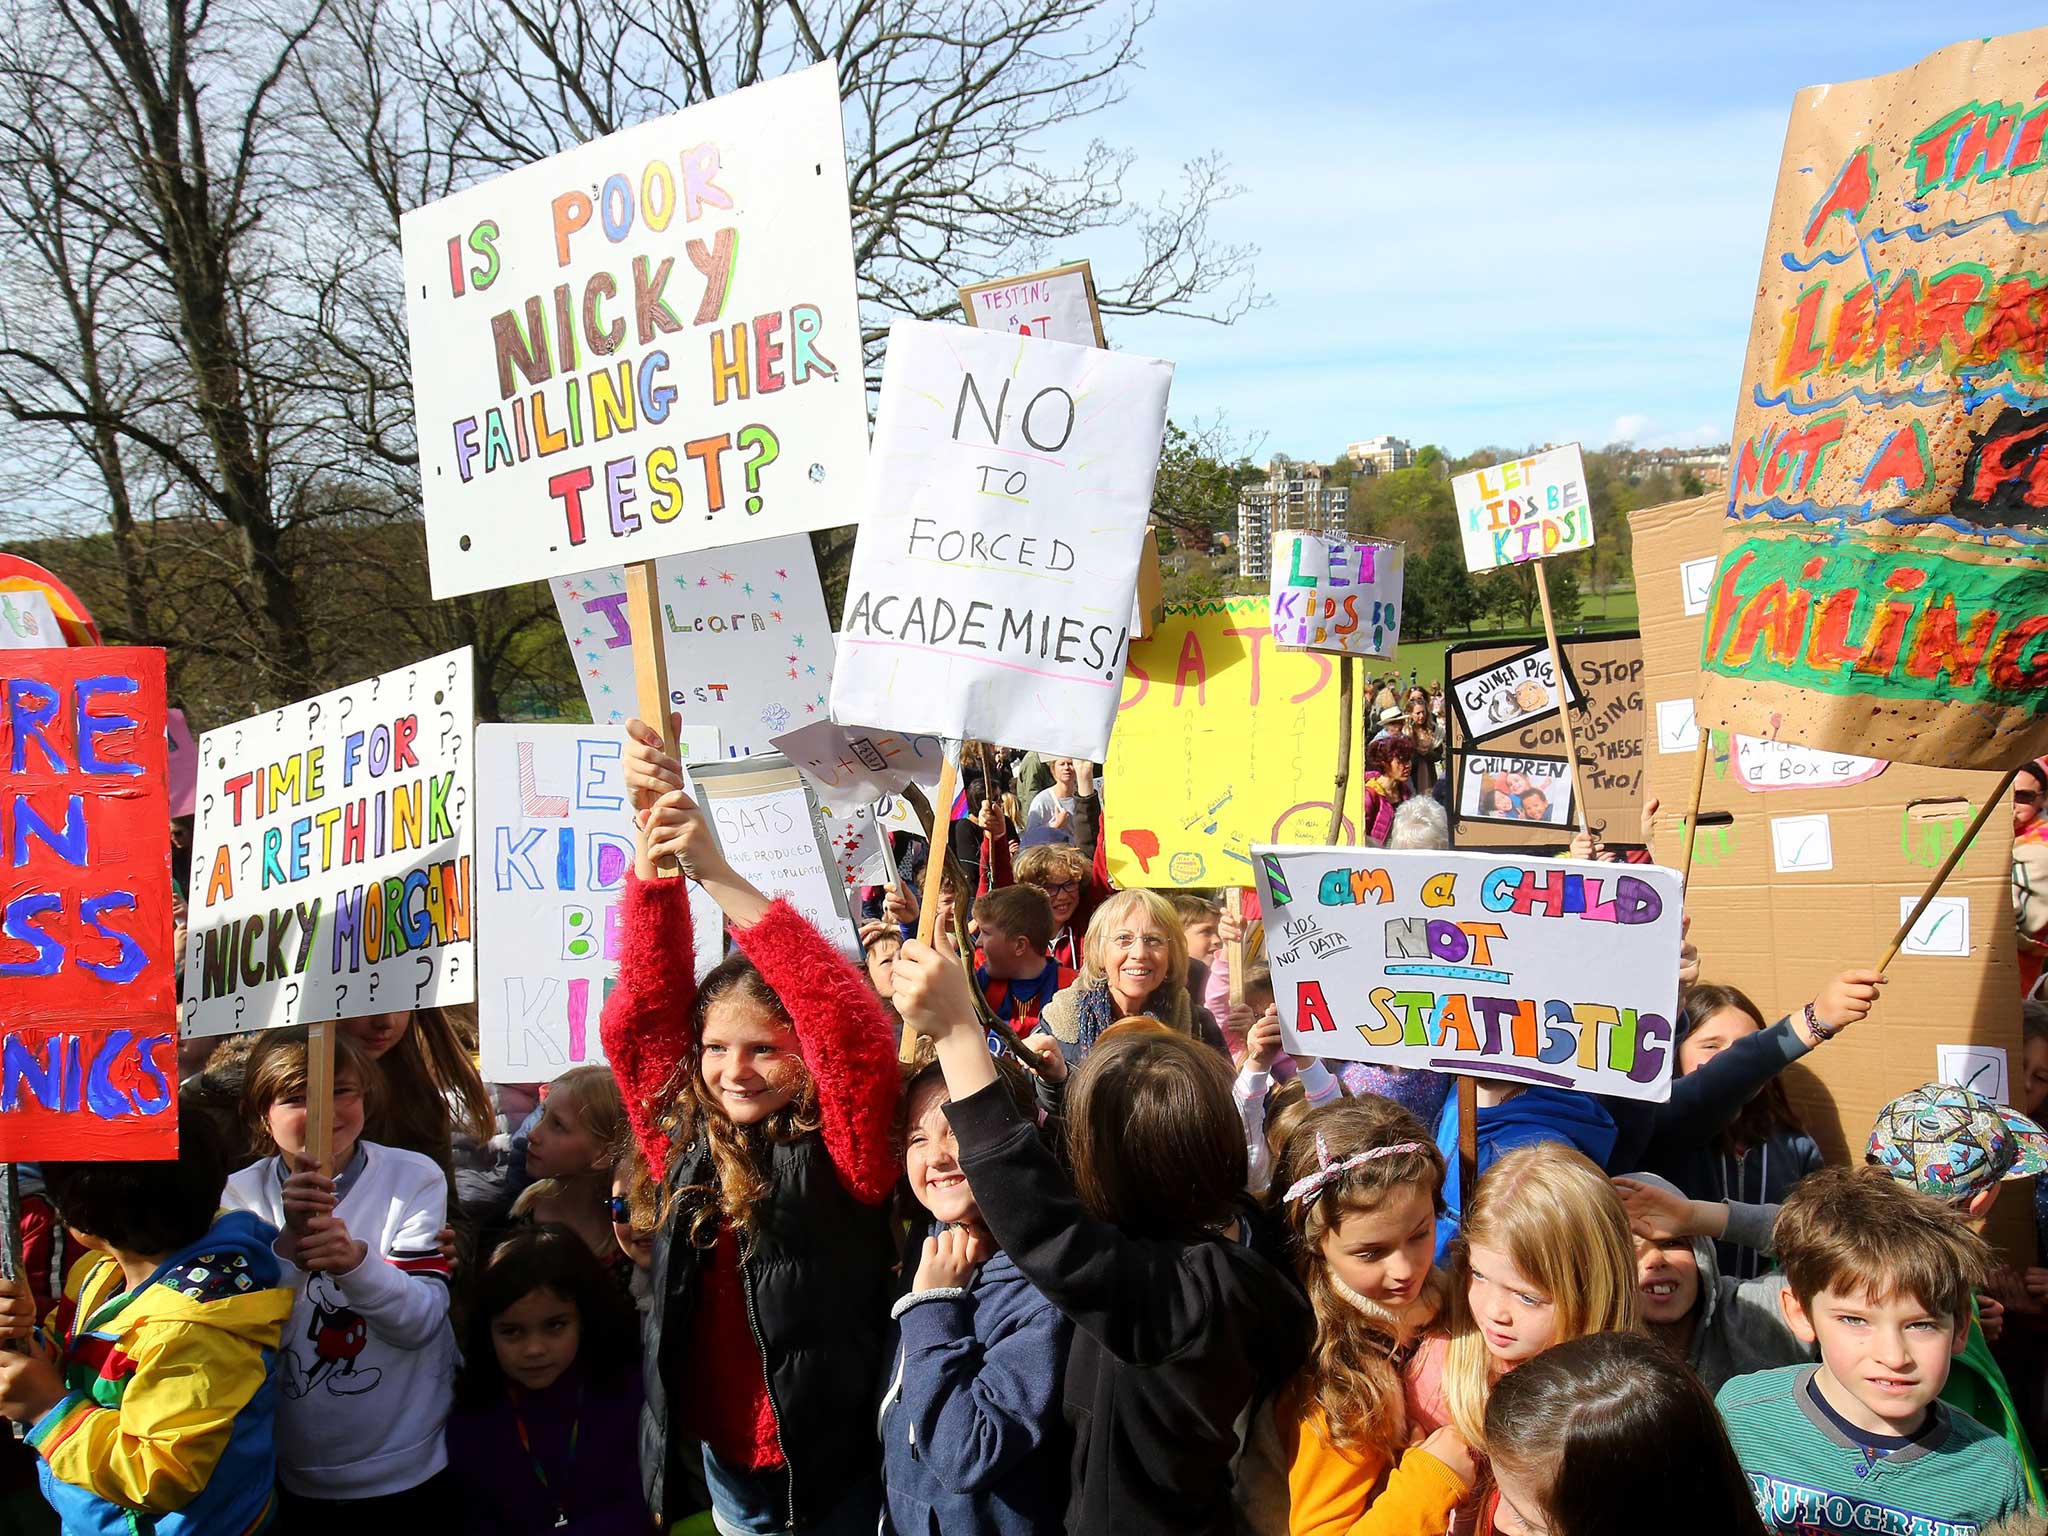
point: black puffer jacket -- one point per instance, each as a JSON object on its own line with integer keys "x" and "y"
{"x": 818, "y": 1285}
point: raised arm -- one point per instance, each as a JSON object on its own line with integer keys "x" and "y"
{"x": 646, "y": 1021}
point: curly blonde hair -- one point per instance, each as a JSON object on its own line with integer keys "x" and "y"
{"x": 1351, "y": 1374}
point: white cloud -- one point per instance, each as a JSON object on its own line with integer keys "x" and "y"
{"x": 1627, "y": 429}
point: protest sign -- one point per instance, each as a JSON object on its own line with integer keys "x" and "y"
{"x": 28, "y": 623}
{"x": 993, "y": 578}
{"x": 553, "y": 815}
{"x": 644, "y": 345}
{"x": 749, "y": 645}
{"x": 1494, "y": 688}
{"x": 1530, "y": 970}
{"x": 88, "y": 991}
{"x": 768, "y": 828}
{"x": 1883, "y": 580}
{"x": 1517, "y": 791}
{"x": 184, "y": 763}
{"x": 331, "y": 860}
{"x": 846, "y": 763}
{"x": 24, "y": 579}
{"x": 1336, "y": 594}
{"x": 1525, "y": 509}
{"x": 1220, "y": 737}
{"x": 1056, "y": 305}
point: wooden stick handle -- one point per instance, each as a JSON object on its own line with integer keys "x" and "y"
{"x": 1346, "y": 692}
{"x": 320, "y": 1093}
{"x": 1233, "y": 903}
{"x": 1468, "y": 1142}
{"x": 1994, "y": 801}
{"x": 1692, "y": 814}
{"x": 1564, "y": 699}
{"x": 650, "y": 670}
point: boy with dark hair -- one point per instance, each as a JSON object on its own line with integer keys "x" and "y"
{"x": 1017, "y": 974}
{"x": 150, "y": 1403}
{"x": 1879, "y": 1278}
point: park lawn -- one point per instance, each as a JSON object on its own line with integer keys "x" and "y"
{"x": 1601, "y": 611}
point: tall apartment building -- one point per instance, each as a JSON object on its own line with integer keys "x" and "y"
{"x": 1293, "y": 496}
{"x": 1380, "y": 455}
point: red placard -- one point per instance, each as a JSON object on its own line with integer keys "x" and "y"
{"x": 88, "y": 994}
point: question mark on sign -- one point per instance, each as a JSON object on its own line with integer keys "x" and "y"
{"x": 426, "y": 975}
{"x": 238, "y": 738}
{"x": 453, "y": 961}
{"x": 206, "y": 802}
{"x": 312, "y": 715}
{"x": 375, "y": 684}
{"x": 412, "y": 682}
{"x": 340, "y": 997}
{"x": 373, "y": 986}
{"x": 768, "y": 450}
{"x": 454, "y": 666}
{"x": 241, "y": 1003}
{"x": 243, "y": 863}
{"x": 291, "y": 997}
{"x": 447, "y": 726}
{"x": 348, "y": 706}
{"x": 460, "y": 797}
{"x": 278, "y": 723}
{"x": 191, "y": 1012}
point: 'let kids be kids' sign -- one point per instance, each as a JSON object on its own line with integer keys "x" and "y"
{"x": 1534, "y": 971}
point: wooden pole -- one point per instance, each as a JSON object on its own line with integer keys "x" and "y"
{"x": 1346, "y": 690}
{"x": 1468, "y": 1143}
{"x": 1233, "y": 903}
{"x": 1564, "y": 698}
{"x": 1993, "y": 802}
{"x": 650, "y": 669}
{"x": 10, "y": 1225}
{"x": 1692, "y": 814}
{"x": 320, "y": 1093}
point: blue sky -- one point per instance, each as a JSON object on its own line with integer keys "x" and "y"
{"x": 1489, "y": 223}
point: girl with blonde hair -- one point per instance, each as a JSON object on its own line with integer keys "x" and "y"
{"x": 1134, "y": 962}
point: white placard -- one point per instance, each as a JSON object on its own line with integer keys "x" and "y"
{"x": 641, "y": 346}
{"x": 1696, "y": 582}
{"x": 1523, "y": 969}
{"x": 1525, "y": 509}
{"x": 1336, "y": 595}
{"x": 1943, "y": 929}
{"x": 1497, "y": 786}
{"x": 1057, "y": 305}
{"x": 767, "y": 829}
{"x": 1980, "y": 1068}
{"x": 992, "y": 581}
{"x": 1802, "y": 845}
{"x": 1506, "y": 694}
{"x": 749, "y": 646}
{"x": 557, "y": 833}
{"x": 848, "y": 764}
{"x": 1761, "y": 764}
{"x": 1678, "y": 730}
{"x": 331, "y": 858}
{"x": 28, "y": 623}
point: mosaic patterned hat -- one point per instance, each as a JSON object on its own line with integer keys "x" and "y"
{"x": 1950, "y": 1143}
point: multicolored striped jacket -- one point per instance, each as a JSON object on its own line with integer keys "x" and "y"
{"x": 165, "y": 1426}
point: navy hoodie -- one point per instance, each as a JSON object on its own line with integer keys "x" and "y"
{"x": 973, "y": 1438}
{"x": 1535, "y": 1114}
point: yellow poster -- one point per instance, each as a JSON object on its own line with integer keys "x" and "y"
{"x": 1222, "y": 740}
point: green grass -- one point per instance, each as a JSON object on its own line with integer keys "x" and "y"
{"x": 1600, "y": 611}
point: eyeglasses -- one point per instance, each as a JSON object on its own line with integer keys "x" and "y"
{"x": 1151, "y": 943}
{"x": 620, "y": 1213}
{"x": 2026, "y": 797}
{"x": 1062, "y": 888}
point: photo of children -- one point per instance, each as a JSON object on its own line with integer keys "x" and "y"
{"x": 1495, "y": 787}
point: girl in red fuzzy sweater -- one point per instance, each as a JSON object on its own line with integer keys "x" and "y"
{"x": 767, "y": 1094}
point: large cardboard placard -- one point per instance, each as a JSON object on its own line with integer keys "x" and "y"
{"x": 1223, "y": 740}
{"x": 771, "y": 832}
{"x": 88, "y": 992}
{"x": 1532, "y": 970}
{"x": 993, "y": 578}
{"x": 749, "y": 645}
{"x": 1778, "y": 929}
{"x": 1883, "y": 582}
{"x": 1336, "y": 594}
{"x": 1503, "y": 704}
{"x": 557, "y": 830}
{"x": 1525, "y": 509}
{"x": 1057, "y": 304}
{"x": 642, "y": 346}
{"x": 331, "y": 860}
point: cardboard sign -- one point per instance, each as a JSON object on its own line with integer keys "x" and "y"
{"x": 1523, "y": 969}
{"x": 331, "y": 860}
{"x": 769, "y": 829}
{"x": 88, "y": 992}
{"x": 28, "y": 623}
{"x": 554, "y": 818}
{"x": 1223, "y": 740}
{"x": 1489, "y": 683}
{"x": 848, "y": 765}
{"x": 1518, "y": 791}
{"x": 1055, "y": 305}
{"x": 1525, "y": 509}
{"x": 1763, "y": 764}
{"x": 642, "y": 346}
{"x": 1885, "y": 837}
{"x": 1883, "y": 582}
{"x": 992, "y": 582}
{"x": 749, "y": 646}
{"x": 1337, "y": 595}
